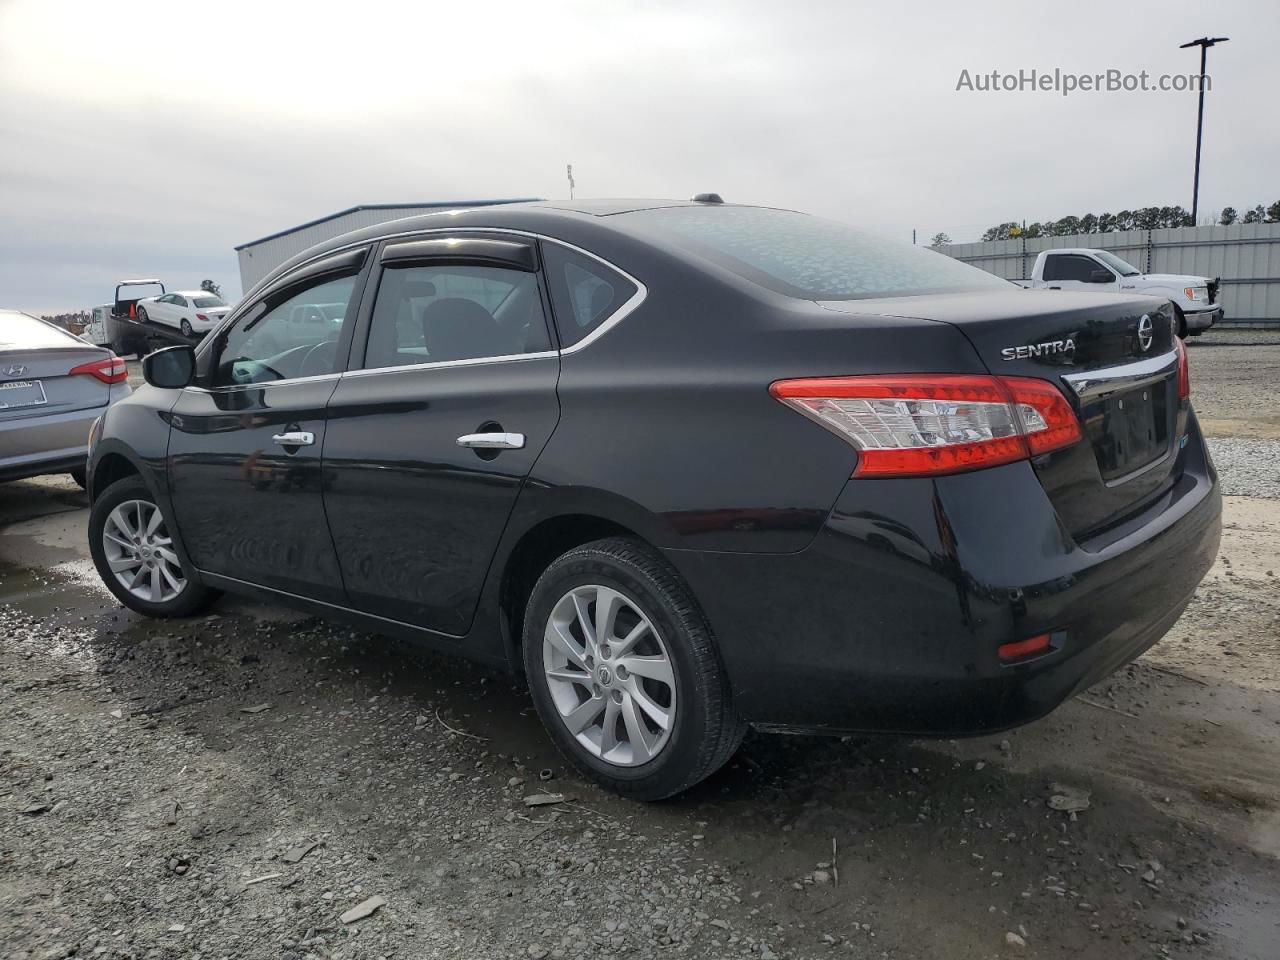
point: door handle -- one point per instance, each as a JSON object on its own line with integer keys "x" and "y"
{"x": 492, "y": 441}
{"x": 295, "y": 438}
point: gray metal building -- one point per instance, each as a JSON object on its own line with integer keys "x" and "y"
{"x": 1245, "y": 255}
{"x": 259, "y": 257}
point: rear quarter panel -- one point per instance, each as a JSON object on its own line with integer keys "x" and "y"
{"x": 669, "y": 412}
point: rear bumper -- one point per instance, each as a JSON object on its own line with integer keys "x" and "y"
{"x": 890, "y": 620}
{"x": 55, "y": 443}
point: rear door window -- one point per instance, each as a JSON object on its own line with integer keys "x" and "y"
{"x": 430, "y": 313}
{"x": 584, "y": 291}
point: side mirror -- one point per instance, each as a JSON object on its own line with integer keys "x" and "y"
{"x": 171, "y": 368}
{"x": 1101, "y": 276}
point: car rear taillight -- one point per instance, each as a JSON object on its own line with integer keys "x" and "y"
{"x": 932, "y": 424}
{"x": 1184, "y": 371}
{"x": 1025, "y": 649}
{"x": 202, "y": 318}
{"x": 109, "y": 370}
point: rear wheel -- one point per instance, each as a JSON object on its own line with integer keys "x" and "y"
{"x": 133, "y": 549}
{"x": 624, "y": 673}
{"x": 186, "y": 328}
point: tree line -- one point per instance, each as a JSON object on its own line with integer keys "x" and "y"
{"x": 1144, "y": 218}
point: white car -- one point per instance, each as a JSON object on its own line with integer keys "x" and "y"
{"x": 1195, "y": 299}
{"x": 191, "y": 311}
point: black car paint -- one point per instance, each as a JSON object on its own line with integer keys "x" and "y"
{"x": 838, "y": 603}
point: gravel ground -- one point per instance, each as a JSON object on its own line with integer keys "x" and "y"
{"x": 232, "y": 785}
{"x": 1247, "y": 468}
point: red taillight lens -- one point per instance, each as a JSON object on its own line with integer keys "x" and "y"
{"x": 110, "y": 370}
{"x": 1184, "y": 371}
{"x": 932, "y": 424}
{"x": 1025, "y": 649}
{"x": 202, "y": 318}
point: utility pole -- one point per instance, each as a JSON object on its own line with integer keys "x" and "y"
{"x": 1204, "y": 43}
{"x": 569, "y": 173}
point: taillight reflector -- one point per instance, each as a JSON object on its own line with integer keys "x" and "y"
{"x": 1024, "y": 649}
{"x": 1184, "y": 371}
{"x": 202, "y": 318}
{"x": 108, "y": 370}
{"x": 933, "y": 424}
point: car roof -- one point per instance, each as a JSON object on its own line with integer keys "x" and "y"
{"x": 574, "y": 221}
{"x": 195, "y": 293}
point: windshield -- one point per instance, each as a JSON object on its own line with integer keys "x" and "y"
{"x": 209, "y": 302}
{"x": 807, "y": 257}
{"x": 1116, "y": 264}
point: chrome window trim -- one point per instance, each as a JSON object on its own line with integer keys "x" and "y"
{"x": 1126, "y": 376}
{"x": 266, "y": 383}
{"x": 605, "y": 326}
{"x": 441, "y": 364}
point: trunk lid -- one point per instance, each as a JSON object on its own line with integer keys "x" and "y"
{"x": 1118, "y": 370}
{"x": 35, "y": 360}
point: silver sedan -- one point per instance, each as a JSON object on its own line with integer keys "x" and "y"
{"x": 52, "y": 387}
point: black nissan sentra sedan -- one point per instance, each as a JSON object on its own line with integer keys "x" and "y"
{"x": 688, "y": 466}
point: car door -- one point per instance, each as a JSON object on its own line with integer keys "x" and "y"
{"x": 450, "y": 398}
{"x": 177, "y": 309}
{"x": 1074, "y": 271}
{"x": 246, "y": 440}
{"x": 158, "y": 309}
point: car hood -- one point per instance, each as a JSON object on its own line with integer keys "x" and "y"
{"x": 1171, "y": 279}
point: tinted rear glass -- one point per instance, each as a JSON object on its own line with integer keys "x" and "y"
{"x": 808, "y": 257}
{"x": 208, "y": 302}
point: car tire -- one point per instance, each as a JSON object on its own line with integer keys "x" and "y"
{"x": 142, "y": 314}
{"x": 654, "y": 762}
{"x": 186, "y": 328}
{"x": 166, "y": 601}
{"x": 1179, "y": 322}
{"x": 81, "y": 477}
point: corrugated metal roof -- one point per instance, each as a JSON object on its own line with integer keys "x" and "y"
{"x": 384, "y": 206}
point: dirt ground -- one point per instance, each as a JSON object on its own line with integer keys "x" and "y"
{"x": 230, "y": 786}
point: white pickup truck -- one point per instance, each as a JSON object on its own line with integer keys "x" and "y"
{"x": 1194, "y": 299}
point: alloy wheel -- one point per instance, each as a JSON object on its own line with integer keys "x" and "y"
{"x": 610, "y": 675}
{"x": 140, "y": 553}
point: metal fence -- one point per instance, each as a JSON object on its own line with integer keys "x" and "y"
{"x": 1245, "y": 255}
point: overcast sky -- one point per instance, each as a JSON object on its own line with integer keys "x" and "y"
{"x": 149, "y": 139}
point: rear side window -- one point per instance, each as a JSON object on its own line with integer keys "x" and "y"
{"x": 808, "y": 257}
{"x": 584, "y": 291}
{"x": 434, "y": 314}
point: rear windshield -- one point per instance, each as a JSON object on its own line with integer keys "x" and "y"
{"x": 20, "y": 331}
{"x": 209, "y": 301}
{"x": 807, "y": 257}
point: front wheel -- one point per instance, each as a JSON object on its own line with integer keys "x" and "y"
{"x": 624, "y": 673}
{"x": 142, "y": 314}
{"x": 133, "y": 549}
